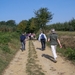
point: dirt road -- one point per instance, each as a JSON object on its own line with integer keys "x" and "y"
{"x": 18, "y": 65}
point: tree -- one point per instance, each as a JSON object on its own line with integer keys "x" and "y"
{"x": 72, "y": 24}
{"x": 33, "y": 25}
{"x": 11, "y": 23}
{"x": 43, "y": 16}
{"x": 22, "y": 25}
{"x": 2, "y": 23}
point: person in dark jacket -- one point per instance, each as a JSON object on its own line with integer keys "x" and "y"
{"x": 23, "y": 41}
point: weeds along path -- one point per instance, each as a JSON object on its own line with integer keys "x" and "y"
{"x": 18, "y": 65}
{"x": 62, "y": 67}
{"x": 33, "y": 68}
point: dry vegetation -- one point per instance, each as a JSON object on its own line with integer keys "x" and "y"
{"x": 67, "y": 39}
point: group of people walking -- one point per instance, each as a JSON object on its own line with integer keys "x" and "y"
{"x": 52, "y": 38}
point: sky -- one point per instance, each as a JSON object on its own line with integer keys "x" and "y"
{"x": 18, "y": 10}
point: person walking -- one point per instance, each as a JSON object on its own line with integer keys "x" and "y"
{"x": 23, "y": 41}
{"x": 42, "y": 38}
{"x": 54, "y": 41}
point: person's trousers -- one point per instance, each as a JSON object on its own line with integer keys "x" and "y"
{"x": 43, "y": 44}
{"x": 53, "y": 48}
{"x": 23, "y": 45}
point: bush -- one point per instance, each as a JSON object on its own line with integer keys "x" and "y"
{"x": 9, "y": 45}
{"x": 70, "y": 54}
{"x": 5, "y": 48}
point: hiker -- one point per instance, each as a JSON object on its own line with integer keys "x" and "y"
{"x": 54, "y": 41}
{"x": 23, "y": 41}
{"x": 42, "y": 38}
{"x": 29, "y": 36}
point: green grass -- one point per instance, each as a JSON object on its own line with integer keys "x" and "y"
{"x": 32, "y": 67}
{"x": 9, "y": 45}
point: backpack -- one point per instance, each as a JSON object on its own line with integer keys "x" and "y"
{"x": 42, "y": 36}
{"x": 22, "y": 38}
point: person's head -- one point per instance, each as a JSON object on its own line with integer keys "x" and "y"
{"x": 42, "y": 32}
{"x": 53, "y": 30}
{"x": 23, "y": 33}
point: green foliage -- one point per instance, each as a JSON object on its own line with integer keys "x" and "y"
{"x": 70, "y": 54}
{"x": 66, "y": 26}
{"x": 9, "y": 45}
{"x": 32, "y": 68}
{"x": 5, "y": 48}
{"x": 10, "y": 25}
{"x": 4, "y": 40}
{"x": 22, "y": 25}
{"x": 3, "y": 63}
{"x": 43, "y": 16}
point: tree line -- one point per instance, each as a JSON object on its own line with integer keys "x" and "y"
{"x": 6, "y": 26}
{"x": 42, "y": 17}
{"x": 66, "y": 26}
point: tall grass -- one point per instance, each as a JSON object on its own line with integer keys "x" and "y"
{"x": 9, "y": 45}
{"x": 66, "y": 33}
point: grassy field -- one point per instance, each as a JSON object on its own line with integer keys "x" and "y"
{"x": 68, "y": 33}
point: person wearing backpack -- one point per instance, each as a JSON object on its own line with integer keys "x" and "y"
{"x": 23, "y": 41}
{"x": 42, "y": 38}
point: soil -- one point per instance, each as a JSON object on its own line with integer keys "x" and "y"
{"x": 18, "y": 65}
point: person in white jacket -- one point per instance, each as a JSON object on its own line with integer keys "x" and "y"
{"x": 42, "y": 38}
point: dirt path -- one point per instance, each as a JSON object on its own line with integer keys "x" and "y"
{"x": 62, "y": 67}
{"x": 18, "y": 65}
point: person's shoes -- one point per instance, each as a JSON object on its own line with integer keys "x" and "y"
{"x": 55, "y": 61}
{"x": 21, "y": 49}
{"x": 44, "y": 49}
{"x": 24, "y": 49}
